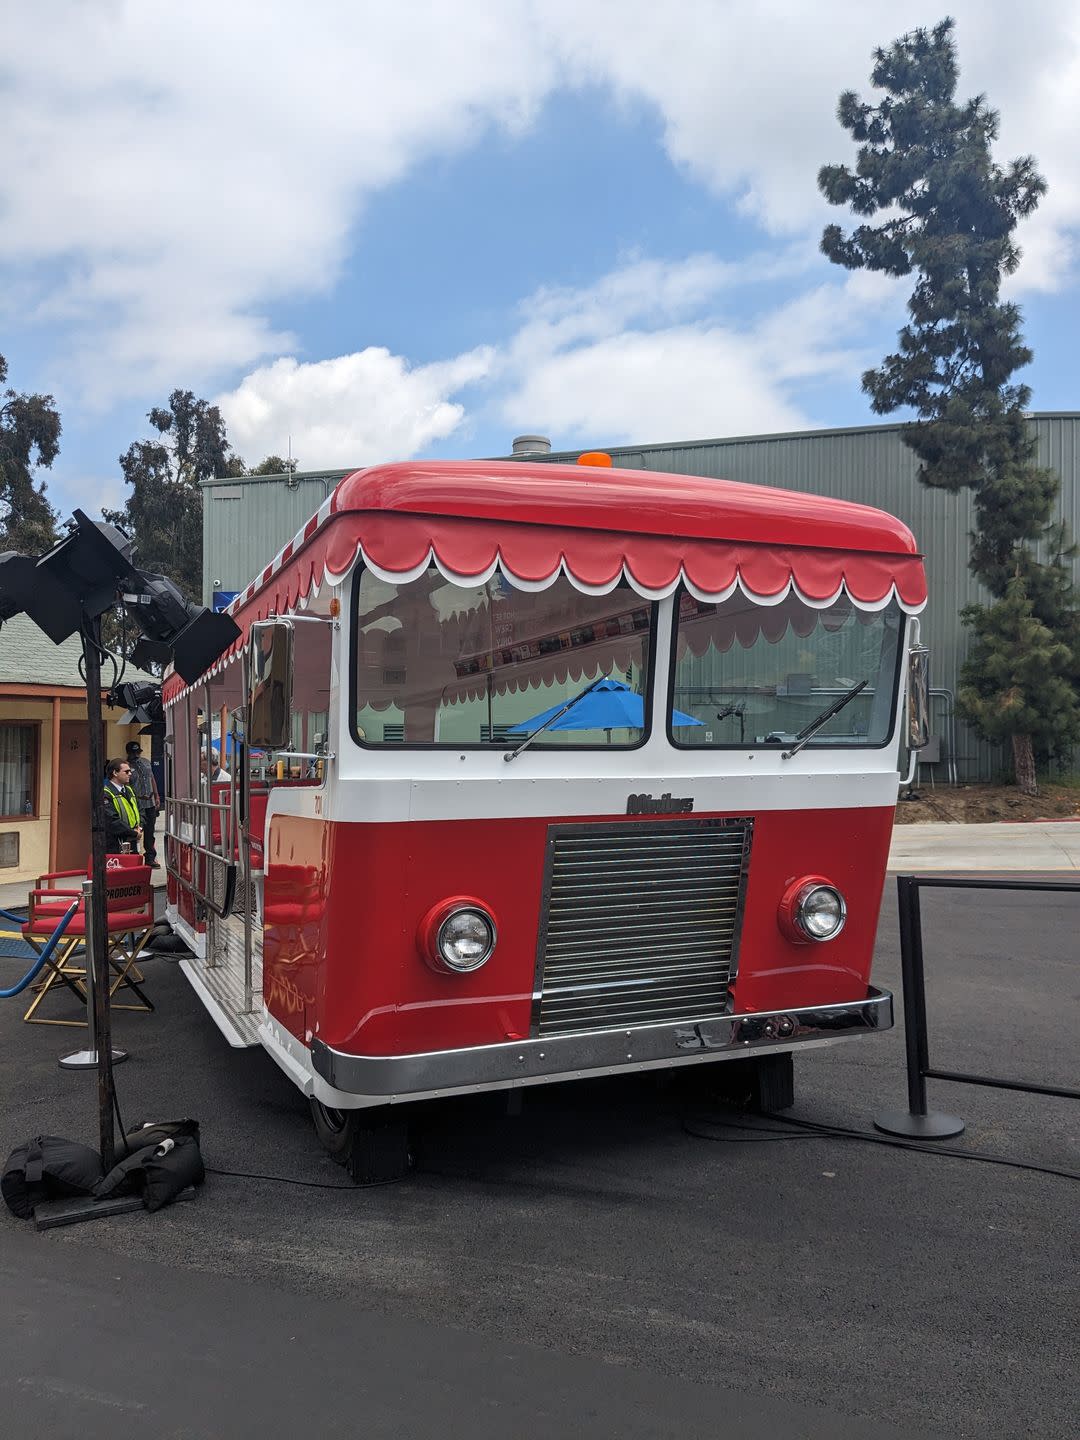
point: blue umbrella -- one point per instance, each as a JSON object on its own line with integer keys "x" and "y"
{"x": 607, "y": 705}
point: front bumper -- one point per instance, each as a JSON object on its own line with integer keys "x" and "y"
{"x": 597, "y": 1052}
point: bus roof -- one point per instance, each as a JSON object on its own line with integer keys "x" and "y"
{"x": 636, "y": 501}
{"x": 598, "y": 526}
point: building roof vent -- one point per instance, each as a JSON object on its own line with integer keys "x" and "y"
{"x": 525, "y": 445}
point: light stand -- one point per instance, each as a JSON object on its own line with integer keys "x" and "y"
{"x": 98, "y": 934}
{"x": 87, "y": 1058}
{"x": 66, "y": 591}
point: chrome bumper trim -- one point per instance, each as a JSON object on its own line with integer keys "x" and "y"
{"x": 725, "y": 1037}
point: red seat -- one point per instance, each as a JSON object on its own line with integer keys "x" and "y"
{"x": 129, "y": 908}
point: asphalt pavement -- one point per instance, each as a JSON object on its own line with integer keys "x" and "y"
{"x": 621, "y": 1259}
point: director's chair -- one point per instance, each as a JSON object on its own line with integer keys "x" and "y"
{"x": 129, "y": 919}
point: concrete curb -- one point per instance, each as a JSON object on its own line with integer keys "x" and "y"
{"x": 1002, "y": 845}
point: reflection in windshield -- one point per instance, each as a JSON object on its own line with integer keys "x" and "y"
{"x": 760, "y": 674}
{"x": 444, "y": 664}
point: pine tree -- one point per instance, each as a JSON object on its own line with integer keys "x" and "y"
{"x": 1015, "y": 682}
{"x": 926, "y": 160}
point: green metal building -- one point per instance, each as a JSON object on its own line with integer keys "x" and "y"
{"x": 248, "y": 520}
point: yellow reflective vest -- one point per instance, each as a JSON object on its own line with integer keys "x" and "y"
{"x": 125, "y": 804}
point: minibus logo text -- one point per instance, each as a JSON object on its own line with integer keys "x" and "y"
{"x": 666, "y": 805}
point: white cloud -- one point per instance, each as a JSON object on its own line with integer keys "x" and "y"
{"x": 663, "y": 385}
{"x": 93, "y": 493}
{"x": 184, "y": 169}
{"x": 620, "y": 361}
{"x": 353, "y": 410}
{"x": 646, "y": 353}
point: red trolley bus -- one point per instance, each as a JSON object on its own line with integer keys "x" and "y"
{"x": 542, "y": 771}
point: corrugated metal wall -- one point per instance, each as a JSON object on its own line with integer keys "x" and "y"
{"x": 873, "y": 466}
{"x": 247, "y": 521}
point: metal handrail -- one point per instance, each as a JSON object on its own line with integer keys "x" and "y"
{"x": 198, "y": 814}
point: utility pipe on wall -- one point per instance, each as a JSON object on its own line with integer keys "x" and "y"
{"x": 54, "y": 786}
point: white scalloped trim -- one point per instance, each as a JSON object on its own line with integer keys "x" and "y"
{"x": 405, "y": 577}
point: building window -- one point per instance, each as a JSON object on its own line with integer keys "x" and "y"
{"x": 18, "y": 770}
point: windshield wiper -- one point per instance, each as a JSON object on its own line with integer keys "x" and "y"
{"x": 809, "y": 731}
{"x": 512, "y": 754}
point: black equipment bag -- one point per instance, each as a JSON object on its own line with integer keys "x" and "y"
{"x": 153, "y": 1132}
{"x": 48, "y": 1168}
{"x": 163, "y": 1159}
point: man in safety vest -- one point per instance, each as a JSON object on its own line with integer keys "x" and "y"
{"x": 123, "y": 830}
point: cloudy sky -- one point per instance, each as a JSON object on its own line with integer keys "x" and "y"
{"x": 393, "y": 228}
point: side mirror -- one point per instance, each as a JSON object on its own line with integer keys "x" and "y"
{"x": 918, "y": 697}
{"x": 269, "y": 687}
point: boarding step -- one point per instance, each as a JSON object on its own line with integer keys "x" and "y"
{"x": 220, "y": 983}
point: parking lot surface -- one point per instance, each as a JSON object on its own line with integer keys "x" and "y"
{"x": 622, "y": 1258}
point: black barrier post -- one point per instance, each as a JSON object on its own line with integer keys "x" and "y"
{"x": 916, "y": 1121}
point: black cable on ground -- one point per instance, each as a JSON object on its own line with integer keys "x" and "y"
{"x": 758, "y": 1133}
{"x": 813, "y": 1130}
{"x": 307, "y": 1184}
{"x": 274, "y": 1179}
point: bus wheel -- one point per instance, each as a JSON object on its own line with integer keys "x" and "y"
{"x": 774, "y": 1082}
{"x": 766, "y": 1082}
{"x": 373, "y": 1145}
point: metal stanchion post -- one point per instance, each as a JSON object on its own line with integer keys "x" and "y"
{"x": 87, "y": 1059}
{"x": 916, "y": 1121}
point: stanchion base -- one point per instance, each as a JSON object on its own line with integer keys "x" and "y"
{"x": 87, "y": 1059}
{"x": 934, "y": 1126}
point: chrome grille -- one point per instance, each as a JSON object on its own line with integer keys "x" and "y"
{"x": 641, "y": 922}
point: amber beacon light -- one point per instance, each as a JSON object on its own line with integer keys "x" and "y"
{"x": 595, "y": 457}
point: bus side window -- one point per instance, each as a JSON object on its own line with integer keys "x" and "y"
{"x": 310, "y": 718}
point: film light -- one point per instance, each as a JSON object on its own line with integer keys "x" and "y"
{"x": 85, "y": 573}
{"x": 142, "y": 703}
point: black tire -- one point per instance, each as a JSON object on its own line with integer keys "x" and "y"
{"x": 766, "y": 1082}
{"x": 373, "y": 1145}
{"x": 774, "y": 1082}
{"x": 334, "y": 1129}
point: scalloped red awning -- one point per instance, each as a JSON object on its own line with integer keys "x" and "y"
{"x": 400, "y": 544}
{"x": 596, "y": 526}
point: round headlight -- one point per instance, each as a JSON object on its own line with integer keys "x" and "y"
{"x": 820, "y": 912}
{"x": 465, "y": 939}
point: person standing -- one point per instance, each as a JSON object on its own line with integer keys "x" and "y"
{"x": 123, "y": 831}
{"x": 146, "y": 793}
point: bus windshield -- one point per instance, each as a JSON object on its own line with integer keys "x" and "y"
{"x": 435, "y": 663}
{"x": 753, "y": 674}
